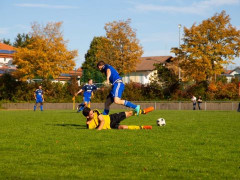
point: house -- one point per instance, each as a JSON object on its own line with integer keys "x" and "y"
{"x": 63, "y": 78}
{"x": 229, "y": 74}
{"x": 146, "y": 69}
{"x": 6, "y": 54}
{"x": 6, "y": 59}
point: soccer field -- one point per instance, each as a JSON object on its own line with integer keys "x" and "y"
{"x": 56, "y": 145}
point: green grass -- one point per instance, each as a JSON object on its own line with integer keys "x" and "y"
{"x": 56, "y": 145}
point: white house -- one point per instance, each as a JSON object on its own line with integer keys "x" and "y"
{"x": 6, "y": 59}
{"x": 232, "y": 73}
{"x": 146, "y": 69}
{"x": 6, "y": 54}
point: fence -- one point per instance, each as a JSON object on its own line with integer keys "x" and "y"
{"x": 225, "y": 106}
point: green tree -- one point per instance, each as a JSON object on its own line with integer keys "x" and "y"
{"x": 8, "y": 86}
{"x": 167, "y": 78}
{"x": 22, "y": 40}
{"x": 6, "y": 41}
{"x": 89, "y": 66}
{"x": 207, "y": 47}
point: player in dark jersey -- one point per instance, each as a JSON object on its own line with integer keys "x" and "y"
{"x": 38, "y": 95}
{"x": 117, "y": 88}
{"x": 87, "y": 94}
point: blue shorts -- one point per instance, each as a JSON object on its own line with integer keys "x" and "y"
{"x": 117, "y": 90}
{"x": 86, "y": 99}
{"x": 39, "y": 100}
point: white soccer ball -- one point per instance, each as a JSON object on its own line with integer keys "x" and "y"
{"x": 161, "y": 122}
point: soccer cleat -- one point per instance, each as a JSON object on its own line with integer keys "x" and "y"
{"x": 147, "y": 110}
{"x": 137, "y": 109}
{"x": 146, "y": 127}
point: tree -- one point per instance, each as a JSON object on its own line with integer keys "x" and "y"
{"x": 207, "y": 47}
{"x": 167, "y": 78}
{"x": 89, "y": 66}
{"x": 46, "y": 55}
{"x": 8, "y": 86}
{"x": 120, "y": 47}
{"x": 6, "y": 41}
{"x": 22, "y": 40}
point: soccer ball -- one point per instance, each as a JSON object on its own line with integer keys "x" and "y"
{"x": 161, "y": 122}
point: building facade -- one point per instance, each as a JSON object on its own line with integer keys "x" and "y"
{"x": 145, "y": 70}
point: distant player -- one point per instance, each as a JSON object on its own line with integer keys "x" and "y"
{"x": 117, "y": 88}
{"x": 38, "y": 95}
{"x": 96, "y": 120}
{"x": 87, "y": 94}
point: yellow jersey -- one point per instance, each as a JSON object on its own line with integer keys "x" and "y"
{"x": 94, "y": 123}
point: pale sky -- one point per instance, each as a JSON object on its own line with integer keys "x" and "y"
{"x": 155, "y": 21}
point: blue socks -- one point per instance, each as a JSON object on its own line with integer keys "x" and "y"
{"x": 35, "y": 107}
{"x": 81, "y": 107}
{"x": 129, "y": 104}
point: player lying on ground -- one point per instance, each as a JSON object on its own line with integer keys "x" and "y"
{"x": 96, "y": 120}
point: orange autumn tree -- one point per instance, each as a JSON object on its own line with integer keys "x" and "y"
{"x": 46, "y": 56}
{"x": 207, "y": 48}
{"x": 120, "y": 47}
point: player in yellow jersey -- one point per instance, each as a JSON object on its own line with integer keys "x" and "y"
{"x": 96, "y": 120}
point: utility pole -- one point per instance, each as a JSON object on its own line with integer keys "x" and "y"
{"x": 179, "y": 70}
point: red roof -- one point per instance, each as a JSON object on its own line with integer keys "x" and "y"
{"x": 6, "y": 47}
{"x": 147, "y": 63}
{"x": 78, "y": 72}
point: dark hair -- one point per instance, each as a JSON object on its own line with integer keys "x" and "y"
{"x": 100, "y": 63}
{"x": 89, "y": 80}
{"x": 86, "y": 111}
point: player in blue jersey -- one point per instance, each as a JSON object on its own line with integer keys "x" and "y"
{"x": 87, "y": 94}
{"x": 38, "y": 95}
{"x": 117, "y": 88}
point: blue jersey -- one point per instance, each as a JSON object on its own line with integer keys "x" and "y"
{"x": 114, "y": 74}
{"x": 39, "y": 93}
{"x": 88, "y": 89}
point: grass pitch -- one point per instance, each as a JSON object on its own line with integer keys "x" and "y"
{"x": 56, "y": 145}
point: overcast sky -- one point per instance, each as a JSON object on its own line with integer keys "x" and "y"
{"x": 155, "y": 21}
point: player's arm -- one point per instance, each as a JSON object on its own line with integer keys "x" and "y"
{"x": 34, "y": 94}
{"x": 42, "y": 98}
{"x": 101, "y": 122}
{"x": 108, "y": 75}
{"x": 78, "y": 92}
{"x": 94, "y": 89}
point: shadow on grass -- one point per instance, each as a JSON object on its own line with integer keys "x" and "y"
{"x": 75, "y": 112}
{"x": 69, "y": 125}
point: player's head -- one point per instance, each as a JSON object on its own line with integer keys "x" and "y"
{"x": 90, "y": 81}
{"x": 40, "y": 87}
{"x": 87, "y": 112}
{"x": 100, "y": 65}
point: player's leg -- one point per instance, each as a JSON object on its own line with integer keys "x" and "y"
{"x": 108, "y": 102}
{"x": 41, "y": 106}
{"x": 118, "y": 117}
{"x": 88, "y": 104}
{"x": 35, "y": 106}
{"x": 117, "y": 92}
{"x": 147, "y": 110}
{"x": 83, "y": 104}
